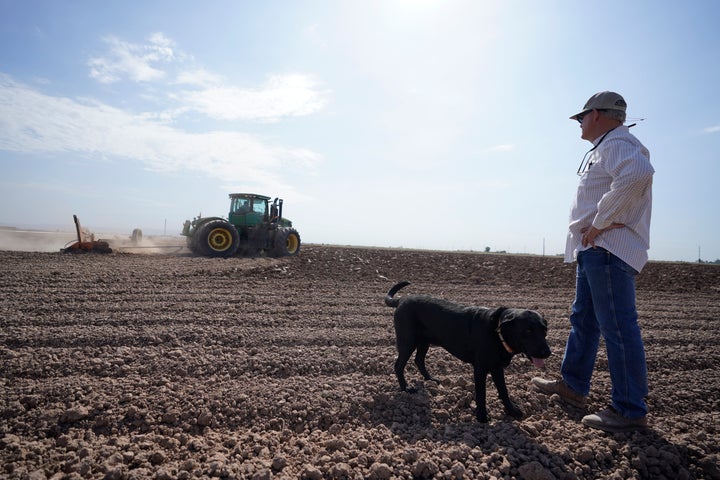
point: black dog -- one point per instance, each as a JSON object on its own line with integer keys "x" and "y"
{"x": 484, "y": 337}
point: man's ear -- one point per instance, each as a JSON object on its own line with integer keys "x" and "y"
{"x": 594, "y": 115}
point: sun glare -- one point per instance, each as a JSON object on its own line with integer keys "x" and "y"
{"x": 415, "y": 4}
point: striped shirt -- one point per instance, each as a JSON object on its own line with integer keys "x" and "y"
{"x": 615, "y": 188}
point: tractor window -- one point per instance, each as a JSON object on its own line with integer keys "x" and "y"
{"x": 259, "y": 207}
{"x": 240, "y": 205}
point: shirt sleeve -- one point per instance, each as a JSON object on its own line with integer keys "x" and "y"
{"x": 628, "y": 164}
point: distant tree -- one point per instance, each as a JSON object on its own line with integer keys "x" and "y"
{"x": 487, "y": 249}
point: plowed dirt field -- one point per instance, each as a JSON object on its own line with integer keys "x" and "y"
{"x": 128, "y": 366}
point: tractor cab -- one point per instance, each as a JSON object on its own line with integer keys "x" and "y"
{"x": 248, "y": 209}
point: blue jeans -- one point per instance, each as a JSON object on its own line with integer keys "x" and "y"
{"x": 605, "y": 305}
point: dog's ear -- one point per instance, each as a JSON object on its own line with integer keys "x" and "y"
{"x": 497, "y": 314}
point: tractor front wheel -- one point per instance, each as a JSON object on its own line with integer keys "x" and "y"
{"x": 217, "y": 238}
{"x": 287, "y": 242}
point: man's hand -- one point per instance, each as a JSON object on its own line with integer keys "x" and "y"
{"x": 590, "y": 233}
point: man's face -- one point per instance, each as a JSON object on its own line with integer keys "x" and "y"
{"x": 587, "y": 119}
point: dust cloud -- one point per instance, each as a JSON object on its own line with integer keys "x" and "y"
{"x": 17, "y": 240}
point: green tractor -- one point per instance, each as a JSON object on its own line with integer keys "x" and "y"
{"x": 254, "y": 225}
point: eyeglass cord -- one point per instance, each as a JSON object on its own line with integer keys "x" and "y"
{"x": 583, "y": 165}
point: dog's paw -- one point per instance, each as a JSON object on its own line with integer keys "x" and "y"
{"x": 482, "y": 417}
{"x": 514, "y": 412}
{"x": 410, "y": 390}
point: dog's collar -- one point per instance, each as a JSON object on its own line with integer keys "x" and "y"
{"x": 502, "y": 340}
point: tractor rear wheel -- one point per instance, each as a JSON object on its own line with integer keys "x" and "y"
{"x": 217, "y": 238}
{"x": 287, "y": 242}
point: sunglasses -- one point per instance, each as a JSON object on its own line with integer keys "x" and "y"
{"x": 580, "y": 116}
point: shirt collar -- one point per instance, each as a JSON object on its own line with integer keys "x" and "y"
{"x": 602, "y": 137}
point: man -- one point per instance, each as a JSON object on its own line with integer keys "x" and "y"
{"x": 609, "y": 238}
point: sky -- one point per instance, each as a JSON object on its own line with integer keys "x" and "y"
{"x": 391, "y": 123}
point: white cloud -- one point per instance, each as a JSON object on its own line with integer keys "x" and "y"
{"x": 136, "y": 62}
{"x": 713, "y": 129}
{"x": 281, "y": 96}
{"x": 32, "y": 122}
{"x": 506, "y": 147}
{"x": 203, "y": 91}
{"x": 199, "y": 77}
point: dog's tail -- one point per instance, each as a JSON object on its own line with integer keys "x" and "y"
{"x": 394, "y": 302}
